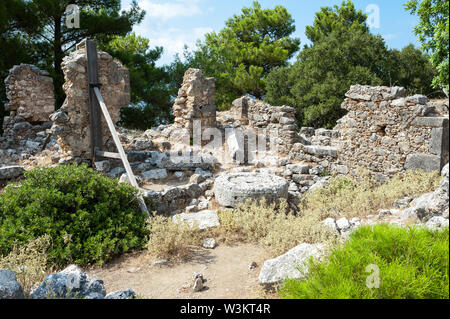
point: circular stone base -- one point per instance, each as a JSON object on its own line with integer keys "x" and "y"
{"x": 234, "y": 188}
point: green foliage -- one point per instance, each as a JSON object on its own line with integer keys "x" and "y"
{"x": 343, "y": 53}
{"x": 245, "y": 51}
{"x": 150, "y": 92}
{"x": 344, "y": 18}
{"x": 317, "y": 82}
{"x": 89, "y": 217}
{"x": 413, "y": 264}
{"x": 433, "y": 32}
{"x": 411, "y": 69}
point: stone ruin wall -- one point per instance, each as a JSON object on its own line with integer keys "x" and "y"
{"x": 31, "y": 100}
{"x": 71, "y": 122}
{"x": 248, "y": 113}
{"x": 383, "y": 131}
{"x": 195, "y": 101}
{"x": 30, "y": 93}
{"x": 387, "y": 132}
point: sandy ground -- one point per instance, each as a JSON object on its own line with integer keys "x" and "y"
{"x": 225, "y": 268}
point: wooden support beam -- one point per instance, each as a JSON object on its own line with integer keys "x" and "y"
{"x": 108, "y": 154}
{"x": 94, "y": 108}
{"x": 119, "y": 146}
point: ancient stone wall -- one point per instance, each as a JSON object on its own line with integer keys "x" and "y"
{"x": 251, "y": 113}
{"x": 30, "y": 93}
{"x": 195, "y": 101}
{"x": 387, "y": 132}
{"x": 31, "y": 101}
{"x": 71, "y": 122}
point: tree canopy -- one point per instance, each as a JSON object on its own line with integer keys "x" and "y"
{"x": 242, "y": 54}
{"x": 343, "y": 53}
{"x": 433, "y": 32}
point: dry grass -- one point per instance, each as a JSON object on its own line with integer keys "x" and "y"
{"x": 171, "y": 240}
{"x": 270, "y": 225}
{"x": 358, "y": 197}
{"x": 28, "y": 263}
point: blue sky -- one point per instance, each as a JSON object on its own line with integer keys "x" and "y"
{"x": 174, "y": 23}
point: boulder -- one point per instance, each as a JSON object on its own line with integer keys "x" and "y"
{"x": 155, "y": 174}
{"x": 292, "y": 264}
{"x": 122, "y": 294}
{"x": 231, "y": 189}
{"x": 203, "y": 220}
{"x": 8, "y": 172}
{"x": 71, "y": 283}
{"x": 9, "y": 286}
{"x": 437, "y": 222}
{"x": 427, "y": 206}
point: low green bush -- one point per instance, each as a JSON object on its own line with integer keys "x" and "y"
{"x": 412, "y": 262}
{"x": 89, "y": 217}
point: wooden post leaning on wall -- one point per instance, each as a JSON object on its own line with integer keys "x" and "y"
{"x": 97, "y": 107}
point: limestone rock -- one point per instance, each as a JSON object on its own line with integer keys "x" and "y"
{"x": 155, "y": 174}
{"x": 8, "y": 172}
{"x": 9, "y": 286}
{"x": 232, "y": 189}
{"x": 122, "y": 294}
{"x": 202, "y": 220}
{"x": 71, "y": 283}
{"x": 286, "y": 266}
{"x": 209, "y": 243}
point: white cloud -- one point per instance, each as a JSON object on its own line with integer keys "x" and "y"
{"x": 169, "y": 10}
{"x": 389, "y": 36}
{"x": 172, "y": 40}
{"x": 162, "y": 25}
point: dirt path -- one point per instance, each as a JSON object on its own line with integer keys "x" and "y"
{"x": 226, "y": 269}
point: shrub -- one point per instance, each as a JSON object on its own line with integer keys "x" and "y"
{"x": 360, "y": 196}
{"x": 89, "y": 217}
{"x": 413, "y": 263}
{"x": 28, "y": 262}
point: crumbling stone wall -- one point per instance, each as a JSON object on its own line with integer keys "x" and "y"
{"x": 71, "y": 122}
{"x": 249, "y": 113}
{"x": 30, "y": 93}
{"x": 195, "y": 101}
{"x": 387, "y": 132}
{"x": 31, "y": 101}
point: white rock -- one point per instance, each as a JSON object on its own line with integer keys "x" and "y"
{"x": 286, "y": 266}
{"x": 343, "y": 224}
{"x": 155, "y": 174}
{"x": 331, "y": 223}
{"x": 204, "y": 219}
{"x": 209, "y": 243}
{"x": 437, "y": 222}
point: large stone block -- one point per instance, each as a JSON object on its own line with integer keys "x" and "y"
{"x": 431, "y": 121}
{"x": 232, "y": 189}
{"x": 426, "y": 162}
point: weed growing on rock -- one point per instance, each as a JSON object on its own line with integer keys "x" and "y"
{"x": 28, "y": 262}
